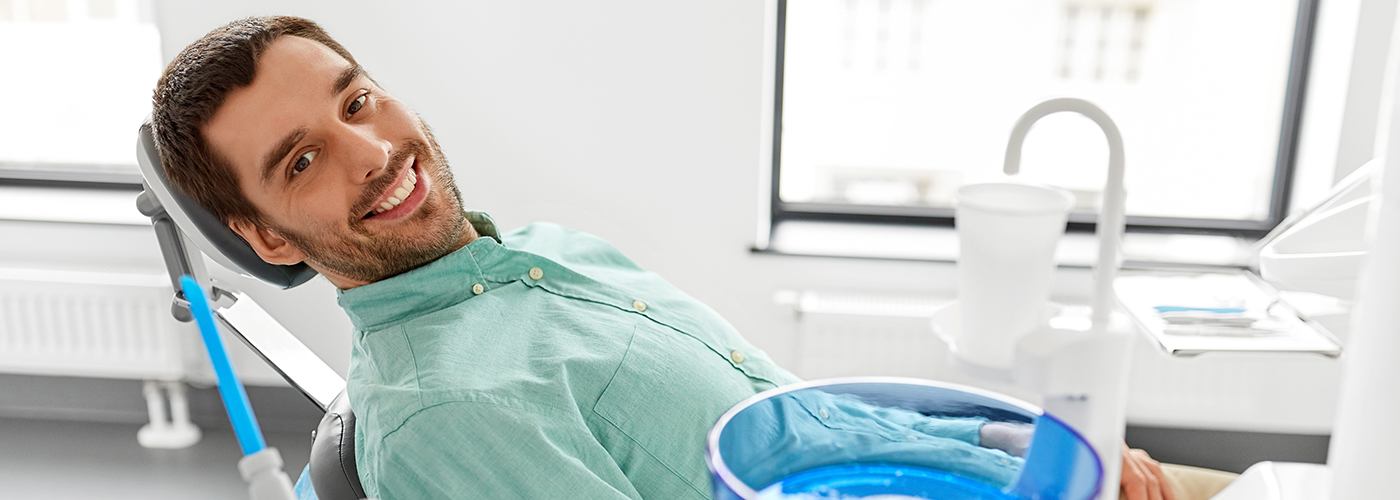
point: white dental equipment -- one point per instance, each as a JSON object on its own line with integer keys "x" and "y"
{"x": 1317, "y": 250}
{"x": 1321, "y": 249}
{"x": 1008, "y": 331}
{"x": 1267, "y": 323}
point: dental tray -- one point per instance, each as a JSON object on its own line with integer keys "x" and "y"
{"x": 1276, "y": 325}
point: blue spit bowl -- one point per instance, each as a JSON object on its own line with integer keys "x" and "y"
{"x": 896, "y": 438}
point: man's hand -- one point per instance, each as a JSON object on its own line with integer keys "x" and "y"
{"x": 1014, "y": 438}
{"x": 1143, "y": 478}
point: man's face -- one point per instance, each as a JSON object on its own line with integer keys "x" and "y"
{"x": 347, "y": 178}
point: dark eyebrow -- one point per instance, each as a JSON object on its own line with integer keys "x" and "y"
{"x": 275, "y": 156}
{"x": 347, "y": 76}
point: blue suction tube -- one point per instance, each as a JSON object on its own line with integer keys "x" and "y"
{"x": 240, "y": 413}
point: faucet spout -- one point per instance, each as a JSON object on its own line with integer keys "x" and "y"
{"x": 1112, "y": 219}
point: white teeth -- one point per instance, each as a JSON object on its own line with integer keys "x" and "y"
{"x": 400, "y": 193}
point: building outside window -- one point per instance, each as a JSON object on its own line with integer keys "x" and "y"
{"x": 887, "y": 107}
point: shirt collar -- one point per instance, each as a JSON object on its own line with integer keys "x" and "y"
{"x": 433, "y": 286}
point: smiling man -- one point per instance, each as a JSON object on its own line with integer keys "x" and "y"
{"x": 536, "y": 364}
{"x": 389, "y": 204}
{"x": 541, "y": 363}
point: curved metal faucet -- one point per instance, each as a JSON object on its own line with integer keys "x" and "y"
{"x": 1111, "y": 211}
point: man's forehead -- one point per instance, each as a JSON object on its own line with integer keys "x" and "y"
{"x": 292, "y": 81}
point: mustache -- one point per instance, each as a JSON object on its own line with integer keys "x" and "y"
{"x": 410, "y": 148}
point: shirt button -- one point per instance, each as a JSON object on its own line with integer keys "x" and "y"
{"x": 478, "y": 289}
{"x": 736, "y": 356}
{"x": 639, "y": 305}
{"x": 536, "y": 273}
{"x": 824, "y": 414}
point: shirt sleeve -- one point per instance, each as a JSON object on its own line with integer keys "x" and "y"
{"x": 850, "y": 429}
{"x": 479, "y": 450}
{"x": 892, "y": 421}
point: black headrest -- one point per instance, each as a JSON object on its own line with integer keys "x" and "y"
{"x": 212, "y": 237}
{"x": 333, "y": 471}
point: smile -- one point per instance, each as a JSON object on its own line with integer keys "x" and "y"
{"x": 403, "y": 197}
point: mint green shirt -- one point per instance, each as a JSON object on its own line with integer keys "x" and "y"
{"x": 543, "y": 364}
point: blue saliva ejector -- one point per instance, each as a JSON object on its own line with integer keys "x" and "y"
{"x": 261, "y": 466}
{"x": 896, "y": 438}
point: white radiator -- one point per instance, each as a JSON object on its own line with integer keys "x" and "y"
{"x": 89, "y": 323}
{"x": 101, "y": 324}
{"x": 841, "y": 335}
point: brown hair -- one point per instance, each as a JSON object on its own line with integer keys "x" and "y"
{"x": 191, "y": 90}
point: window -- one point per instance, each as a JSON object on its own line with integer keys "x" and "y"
{"x": 78, "y": 80}
{"x": 884, "y": 108}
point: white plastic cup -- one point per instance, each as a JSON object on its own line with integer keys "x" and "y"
{"x": 1007, "y": 234}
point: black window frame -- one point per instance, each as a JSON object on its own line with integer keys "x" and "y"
{"x": 70, "y": 175}
{"x": 1285, "y": 161}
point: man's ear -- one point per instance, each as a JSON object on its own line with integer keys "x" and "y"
{"x": 272, "y": 247}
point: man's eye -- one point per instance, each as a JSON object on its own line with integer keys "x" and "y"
{"x": 356, "y": 104}
{"x": 303, "y": 162}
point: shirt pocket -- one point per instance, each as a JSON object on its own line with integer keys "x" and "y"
{"x": 716, "y": 335}
{"x": 669, "y": 390}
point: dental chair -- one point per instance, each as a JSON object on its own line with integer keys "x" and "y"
{"x": 184, "y": 231}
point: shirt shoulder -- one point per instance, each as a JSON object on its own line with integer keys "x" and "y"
{"x": 567, "y": 246}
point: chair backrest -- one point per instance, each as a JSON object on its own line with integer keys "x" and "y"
{"x": 200, "y": 226}
{"x": 333, "y": 471}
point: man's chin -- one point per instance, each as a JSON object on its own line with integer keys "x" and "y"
{"x": 426, "y": 236}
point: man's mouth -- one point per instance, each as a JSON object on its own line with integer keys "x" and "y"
{"x": 403, "y": 197}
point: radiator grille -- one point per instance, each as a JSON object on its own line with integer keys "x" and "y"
{"x": 850, "y": 335}
{"x": 89, "y": 323}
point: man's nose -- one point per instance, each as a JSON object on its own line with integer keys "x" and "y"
{"x": 367, "y": 155}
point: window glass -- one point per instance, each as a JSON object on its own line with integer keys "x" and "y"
{"x": 900, "y": 102}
